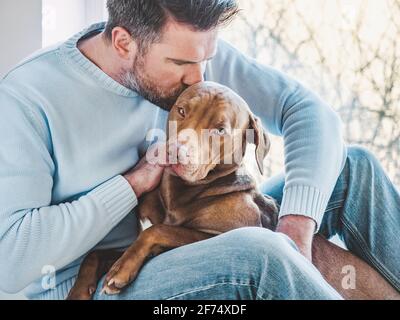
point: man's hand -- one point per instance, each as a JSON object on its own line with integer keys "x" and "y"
{"x": 146, "y": 175}
{"x": 301, "y": 230}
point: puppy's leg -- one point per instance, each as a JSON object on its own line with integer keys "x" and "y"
{"x": 152, "y": 241}
{"x": 150, "y": 207}
{"x": 269, "y": 210}
{"x": 93, "y": 267}
{"x": 353, "y": 278}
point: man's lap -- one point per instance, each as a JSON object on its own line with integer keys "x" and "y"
{"x": 208, "y": 269}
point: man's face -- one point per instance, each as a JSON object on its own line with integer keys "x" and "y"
{"x": 167, "y": 68}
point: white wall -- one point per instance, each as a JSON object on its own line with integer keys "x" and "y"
{"x": 20, "y": 31}
{"x": 64, "y": 18}
{"x": 21, "y": 34}
{"x": 61, "y": 19}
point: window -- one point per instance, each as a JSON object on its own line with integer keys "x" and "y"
{"x": 63, "y": 18}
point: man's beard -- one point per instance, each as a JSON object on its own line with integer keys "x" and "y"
{"x": 137, "y": 80}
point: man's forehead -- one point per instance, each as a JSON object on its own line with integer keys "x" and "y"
{"x": 184, "y": 43}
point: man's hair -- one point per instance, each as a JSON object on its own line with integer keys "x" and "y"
{"x": 145, "y": 19}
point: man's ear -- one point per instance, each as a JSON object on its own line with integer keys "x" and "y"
{"x": 261, "y": 141}
{"x": 123, "y": 43}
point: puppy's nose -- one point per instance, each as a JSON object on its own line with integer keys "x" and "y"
{"x": 183, "y": 153}
{"x": 180, "y": 152}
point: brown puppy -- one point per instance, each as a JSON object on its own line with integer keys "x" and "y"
{"x": 207, "y": 192}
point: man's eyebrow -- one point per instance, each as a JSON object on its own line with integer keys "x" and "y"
{"x": 187, "y": 61}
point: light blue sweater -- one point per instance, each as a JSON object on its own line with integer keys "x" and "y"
{"x": 68, "y": 131}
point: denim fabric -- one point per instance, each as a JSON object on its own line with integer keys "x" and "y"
{"x": 364, "y": 211}
{"x": 245, "y": 264}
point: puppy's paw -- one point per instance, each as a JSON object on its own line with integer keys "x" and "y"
{"x": 109, "y": 289}
{"x": 122, "y": 273}
{"x": 82, "y": 293}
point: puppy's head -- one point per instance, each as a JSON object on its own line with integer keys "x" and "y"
{"x": 209, "y": 128}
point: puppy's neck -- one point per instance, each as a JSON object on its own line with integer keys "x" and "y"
{"x": 222, "y": 180}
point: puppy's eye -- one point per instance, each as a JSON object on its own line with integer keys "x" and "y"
{"x": 181, "y": 111}
{"x": 220, "y": 131}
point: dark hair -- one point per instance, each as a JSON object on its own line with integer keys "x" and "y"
{"x": 145, "y": 19}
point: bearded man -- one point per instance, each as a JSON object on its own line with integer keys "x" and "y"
{"x": 73, "y": 125}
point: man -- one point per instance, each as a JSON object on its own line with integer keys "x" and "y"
{"x": 73, "y": 126}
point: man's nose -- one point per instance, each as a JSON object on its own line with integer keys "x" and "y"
{"x": 194, "y": 74}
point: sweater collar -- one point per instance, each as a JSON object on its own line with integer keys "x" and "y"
{"x": 70, "y": 50}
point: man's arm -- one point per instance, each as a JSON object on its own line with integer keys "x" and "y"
{"x": 314, "y": 150}
{"x": 34, "y": 233}
{"x": 300, "y": 229}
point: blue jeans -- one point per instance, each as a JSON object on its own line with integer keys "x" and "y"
{"x": 255, "y": 263}
{"x": 244, "y": 264}
{"x": 364, "y": 211}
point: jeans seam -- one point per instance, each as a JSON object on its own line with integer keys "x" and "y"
{"x": 210, "y": 286}
{"x": 334, "y": 205}
{"x": 379, "y": 266}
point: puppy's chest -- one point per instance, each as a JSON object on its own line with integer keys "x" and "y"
{"x": 193, "y": 207}
{"x": 180, "y": 209}
{"x": 184, "y": 204}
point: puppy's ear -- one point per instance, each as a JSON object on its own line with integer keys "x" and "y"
{"x": 261, "y": 141}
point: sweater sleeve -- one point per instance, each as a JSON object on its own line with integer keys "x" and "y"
{"x": 314, "y": 149}
{"x": 33, "y": 232}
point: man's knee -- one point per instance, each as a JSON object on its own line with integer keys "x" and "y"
{"x": 261, "y": 243}
{"x": 361, "y": 156}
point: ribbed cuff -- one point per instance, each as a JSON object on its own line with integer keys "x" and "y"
{"x": 304, "y": 201}
{"x": 117, "y": 196}
{"x": 58, "y": 293}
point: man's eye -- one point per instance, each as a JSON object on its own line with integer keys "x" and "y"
{"x": 181, "y": 111}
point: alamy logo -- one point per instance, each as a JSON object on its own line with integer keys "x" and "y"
{"x": 49, "y": 277}
{"x": 207, "y": 146}
{"x": 349, "y": 280}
